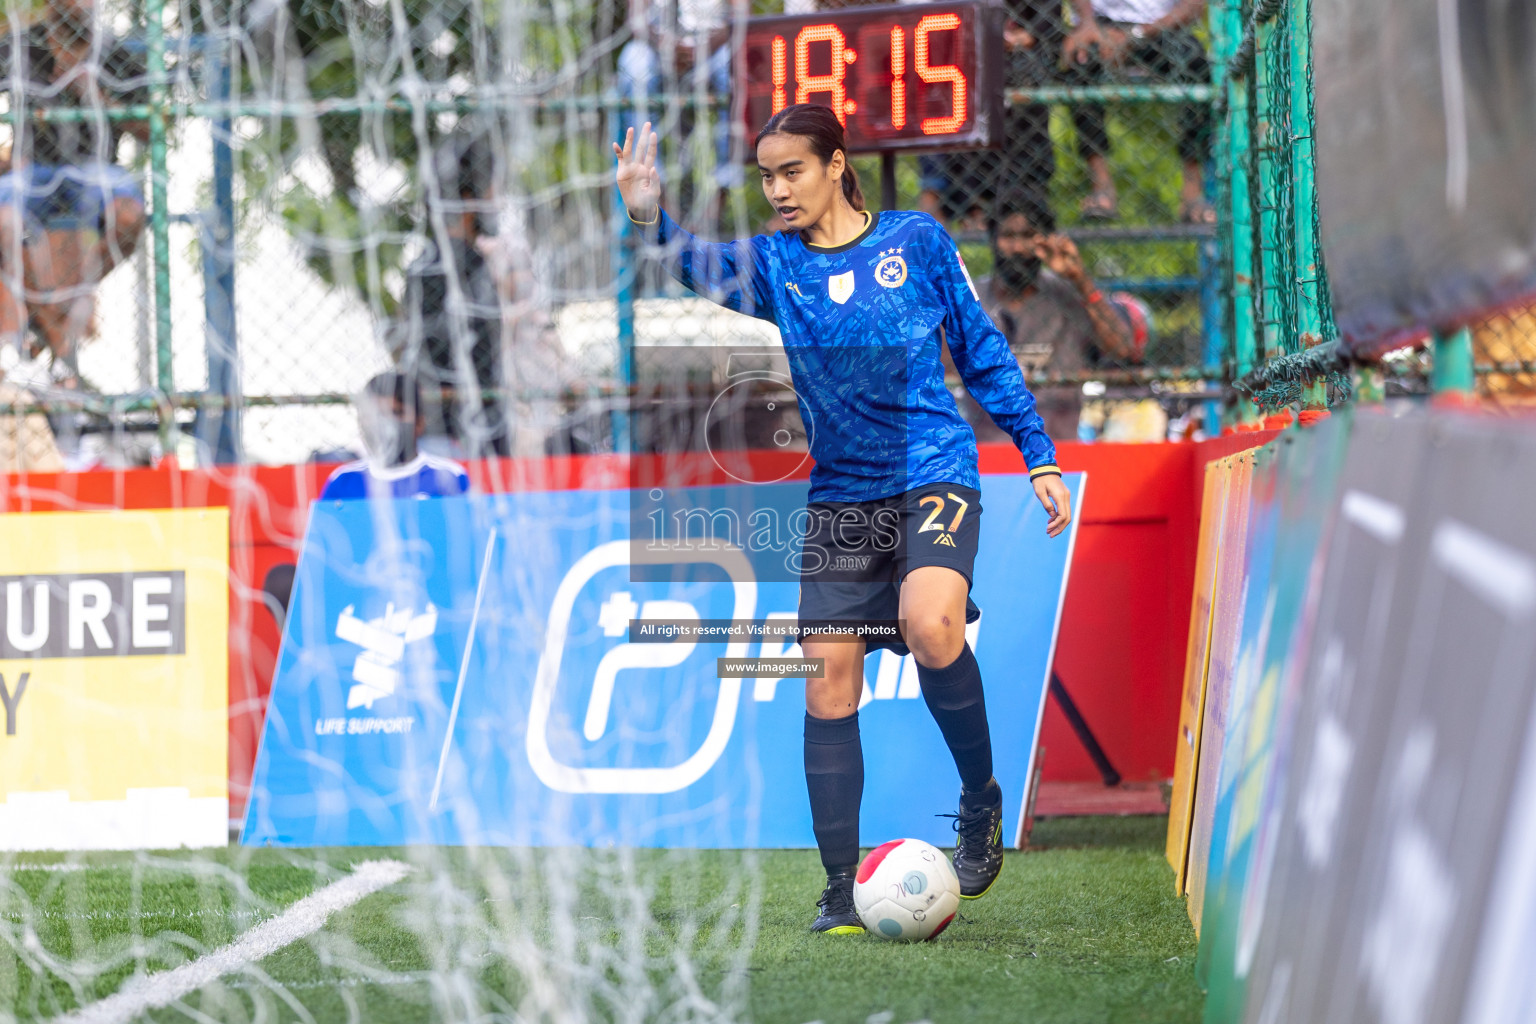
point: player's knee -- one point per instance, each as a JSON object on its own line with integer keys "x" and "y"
{"x": 836, "y": 692}
{"x": 935, "y": 639}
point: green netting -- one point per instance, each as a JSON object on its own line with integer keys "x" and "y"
{"x": 1275, "y": 282}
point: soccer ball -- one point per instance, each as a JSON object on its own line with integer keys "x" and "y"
{"x": 906, "y": 890}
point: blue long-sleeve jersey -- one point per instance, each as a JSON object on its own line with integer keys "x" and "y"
{"x": 863, "y": 324}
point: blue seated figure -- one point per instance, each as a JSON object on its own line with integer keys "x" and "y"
{"x": 389, "y": 412}
{"x": 390, "y": 415}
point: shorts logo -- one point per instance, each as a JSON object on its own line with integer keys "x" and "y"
{"x": 840, "y": 287}
{"x": 944, "y": 532}
{"x": 891, "y": 271}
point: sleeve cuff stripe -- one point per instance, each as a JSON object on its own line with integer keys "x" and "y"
{"x": 1046, "y": 470}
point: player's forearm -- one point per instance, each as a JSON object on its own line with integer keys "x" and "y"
{"x": 1000, "y": 389}
{"x": 718, "y": 271}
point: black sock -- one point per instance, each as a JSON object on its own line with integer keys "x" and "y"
{"x": 953, "y": 695}
{"x": 834, "y": 777}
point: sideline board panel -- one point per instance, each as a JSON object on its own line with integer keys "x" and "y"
{"x": 1378, "y": 807}
{"x": 1213, "y": 510}
{"x": 1227, "y": 616}
{"x": 113, "y": 665}
{"x": 1463, "y": 665}
{"x": 1343, "y": 716}
{"x": 387, "y": 725}
{"x": 1307, "y": 465}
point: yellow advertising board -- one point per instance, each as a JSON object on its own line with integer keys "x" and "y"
{"x": 1196, "y": 659}
{"x": 114, "y": 679}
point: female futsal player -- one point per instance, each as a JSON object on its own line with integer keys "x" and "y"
{"x": 864, "y": 302}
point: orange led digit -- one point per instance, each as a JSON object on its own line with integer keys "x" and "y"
{"x": 780, "y": 75}
{"x": 943, "y": 73}
{"x": 898, "y": 78}
{"x": 806, "y": 83}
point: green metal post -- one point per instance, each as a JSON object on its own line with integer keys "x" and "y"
{"x": 1269, "y": 213}
{"x": 1453, "y": 374}
{"x": 159, "y": 220}
{"x": 1240, "y": 213}
{"x": 1309, "y": 318}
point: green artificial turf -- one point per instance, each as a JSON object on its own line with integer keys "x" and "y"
{"x": 1082, "y": 927}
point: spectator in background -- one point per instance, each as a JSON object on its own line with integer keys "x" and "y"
{"x": 449, "y": 334}
{"x": 963, "y": 187}
{"x": 389, "y": 415}
{"x": 391, "y": 420}
{"x": 1054, "y": 317}
{"x": 683, "y": 45}
{"x": 66, "y": 208}
{"x": 1155, "y": 38}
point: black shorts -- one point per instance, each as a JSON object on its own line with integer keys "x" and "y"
{"x": 857, "y": 553}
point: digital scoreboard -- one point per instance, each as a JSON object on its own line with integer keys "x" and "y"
{"x": 899, "y": 77}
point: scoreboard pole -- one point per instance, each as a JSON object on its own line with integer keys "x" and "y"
{"x": 887, "y": 181}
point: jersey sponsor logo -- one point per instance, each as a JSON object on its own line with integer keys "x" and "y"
{"x": 967, "y": 272}
{"x": 840, "y": 287}
{"x": 891, "y": 271}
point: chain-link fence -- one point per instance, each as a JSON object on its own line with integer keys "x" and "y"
{"x": 223, "y": 219}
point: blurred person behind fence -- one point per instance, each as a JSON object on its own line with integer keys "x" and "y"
{"x": 449, "y": 332}
{"x": 683, "y": 47}
{"x": 391, "y": 421}
{"x": 1055, "y": 318}
{"x": 1147, "y": 40}
{"x": 68, "y": 213}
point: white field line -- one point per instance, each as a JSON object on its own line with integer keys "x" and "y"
{"x": 307, "y": 916}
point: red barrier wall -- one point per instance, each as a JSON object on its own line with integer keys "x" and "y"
{"x": 1122, "y": 635}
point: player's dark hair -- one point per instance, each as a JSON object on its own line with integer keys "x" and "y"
{"x": 821, "y": 128}
{"x": 402, "y": 388}
{"x": 1029, "y": 202}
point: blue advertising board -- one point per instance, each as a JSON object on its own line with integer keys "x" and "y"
{"x": 460, "y": 671}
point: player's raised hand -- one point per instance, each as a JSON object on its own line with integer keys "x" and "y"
{"x": 638, "y": 182}
{"x": 1057, "y": 500}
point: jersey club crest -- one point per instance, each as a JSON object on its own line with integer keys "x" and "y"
{"x": 891, "y": 271}
{"x": 840, "y": 287}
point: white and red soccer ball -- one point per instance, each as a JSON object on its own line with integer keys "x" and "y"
{"x": 906, "y": 890}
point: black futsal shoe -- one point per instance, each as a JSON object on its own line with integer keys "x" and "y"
{"x": 836, "y": 914}
{"x": 979, "y": 845}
